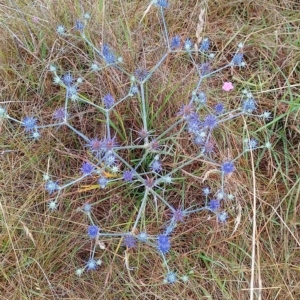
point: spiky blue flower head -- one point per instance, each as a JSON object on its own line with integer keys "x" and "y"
{"x": 200, "y": 138}
{"x": 205, "y": 69}
{"x": 171, "y": 277}
{"x": 72, "y": 92}
{"x": 60, "y": 29}
{"x": 163, "y": 243}
{"x": 87, "y": 208}
{"x": 206, "y": 191}
{"x": 219, "y": 108}
{"x": 249, "y": 105}
{"x": 68, "y": 79}
{"x": 87, "y": 168}
{"x": 141, "y": 73}
{"x": 108, "y": 144}
{"x": 149, "y": 182}
{"x": 133, "y": 90}
{"x": 186, "y": 110}
{"x": 210, "y": 121}
{"x": 193, "y": 123}
{"x": 175, "y": 42}
{"x": 93, "y": 231}
{"x": 204, "y": 46}
{"x": 237, "y": 59}
{"x": 29, "y": 123}
{"x": 188, "y": 44}
{"x": 108, "y": 55}
{"x": 214, "y": 205}
{"x": 251, "y": 144}
{"x": 178, "y": 215}
{"x": 91, "y": 265}
{"x": 156, "y": 166}
{"x": 51, "y": 187}
{"x": 129, "y": 241}
{"x": 143, "y": 237}
{"x": 227, "y": 167}
{"x": 110, "y": 159}
{"x": 208, "y": 146}
{"x": 60, "y": 114}
{"x": 79, "y": 26}
{"x": 161, "y": 3}
{"x": 102, "y": 181}
{"x": 95, "y": 145}
{"x": 222, "y": 216}
{"x": 109, "y": 101}
{"x": 127, "y": 176}
{"x": 35, "y": 134}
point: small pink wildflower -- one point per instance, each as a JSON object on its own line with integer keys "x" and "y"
{"x": 227, "y": 86}
{"x": 35, "y": 19}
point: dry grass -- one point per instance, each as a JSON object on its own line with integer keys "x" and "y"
{"x": 40, "y": 251}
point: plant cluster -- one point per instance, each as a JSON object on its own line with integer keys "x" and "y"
{"x": 148, "y": 174}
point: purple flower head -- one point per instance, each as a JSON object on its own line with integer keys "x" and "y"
{"x": 214, "y": 205}
{"x": 102, "y": 181}
{"x": 219, "y": 108}
{"x": 149, "y": 182}
{"x": 186, "y": 110}
{"x": 237, "y": 59}
{"x": 128, "y": 176}
{"x": 141, "y": 74}
{"x": 108, "y": 144}
{"x": 87, "y": 168}
{"x": 156, "y": 166}
{"x": 175, "y": 42}
{"x": 154, "y": 145}
{"x": 249, "y": 105}
{"x": 209, "y": 146}
{"x": 227, "y": 167}
{"x": 204, "y": 46}
{"x": 205, "y": 69}
{"x": 91, "y": 265}
{"x": 129, "y": 241}
{"x": 29, "y": 123}
{"x": 178, "y": 215}
{"x": 109, "y": 101}
{"x": 163, "y": 243}
{"x": 68, "y": 79}
{"x": 93, "y": 231}
{"x": 60, "y": 114}
{"x": 210, "y": 121}
{"x": 95, "y": 145}
{"x": 193, "y": 123}
{"x": 108, "y": 55}
{"x": 79, "y": 26}
{"x": 51, "y": 187}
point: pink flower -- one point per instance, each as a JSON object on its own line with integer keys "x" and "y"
{"x": 227, "y": 86}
